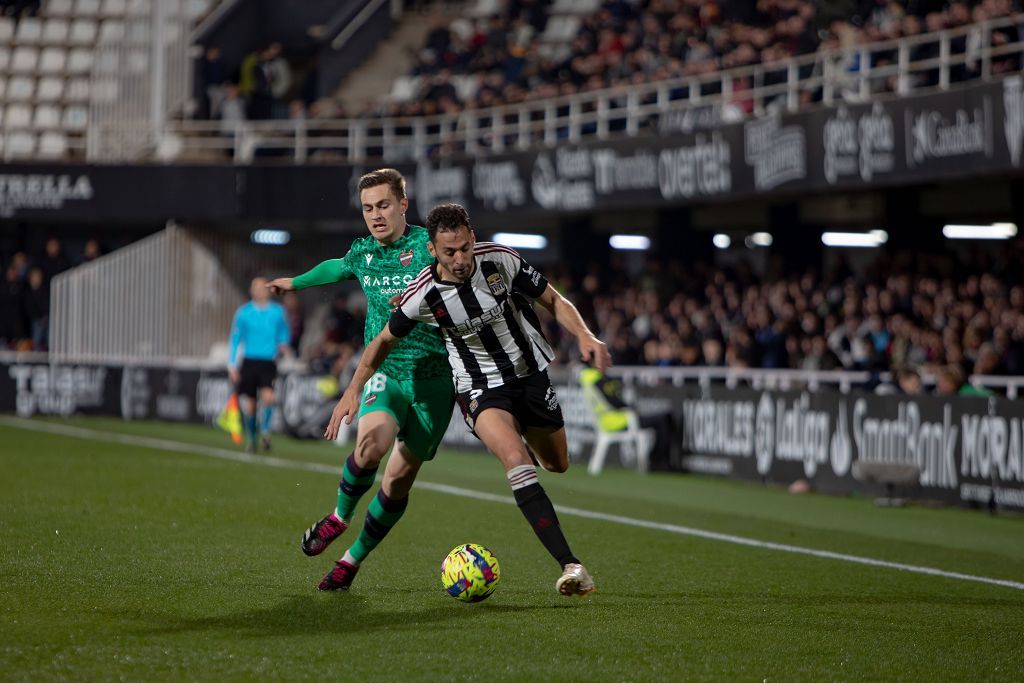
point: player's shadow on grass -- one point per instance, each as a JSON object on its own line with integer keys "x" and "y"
{"x": 333, "y": 613}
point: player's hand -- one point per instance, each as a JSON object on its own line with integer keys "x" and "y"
{"x": 346, "y": 409}
{"x": 395, "y": 300}
{"x": 234, "y": 375}
{"x": 595, "y": 353}
{"x": 280, "y": 286}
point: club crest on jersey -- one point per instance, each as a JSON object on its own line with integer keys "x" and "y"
{"x": 370, "y": 399}
{"x": 405, "y": 258}
{"x": 496, "y": 284}
{"x": 369, "y": 257}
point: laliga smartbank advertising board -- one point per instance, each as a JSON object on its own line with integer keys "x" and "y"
{"x": 967, "y": 450}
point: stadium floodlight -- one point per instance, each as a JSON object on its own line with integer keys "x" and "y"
{"x": 874, "y": 238}
{"x": 758, "y": 239}
{"x": 277, "y": 238}
{"x": 630, "y": 242}
{"x": 721, "y": 241}
{"x": 996, "y": 231}
{"x": 521, "y": 240}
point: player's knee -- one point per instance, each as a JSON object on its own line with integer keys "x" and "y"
{"x": 369, "y": 451}
{"x": 557, "y": 465}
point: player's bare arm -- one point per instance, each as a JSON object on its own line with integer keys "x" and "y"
{"x": 373, "y": 358}
{"x": 592, "y": 349}
{"x": 280, "y": 285}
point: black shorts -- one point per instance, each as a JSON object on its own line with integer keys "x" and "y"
{"x": 256, "y": 375}
{"x": 531, "y": 401}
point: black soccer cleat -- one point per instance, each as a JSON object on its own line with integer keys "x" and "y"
{"x": 265, "y": 442}
{"x": 339, "y": 578}
{"x": 319, "y": 536}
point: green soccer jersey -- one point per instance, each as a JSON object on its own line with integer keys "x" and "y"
{"x": 383, "y": 271}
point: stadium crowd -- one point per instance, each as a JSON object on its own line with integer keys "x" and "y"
{"x": 627, "y": 42}
{"x": 907, "y": 314}
{"x": 25, "y": 293}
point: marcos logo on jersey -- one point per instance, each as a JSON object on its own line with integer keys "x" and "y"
{"x": 369, "y": 257}
{"x": 405, "y": 258}
{"x": 496, "y": 284}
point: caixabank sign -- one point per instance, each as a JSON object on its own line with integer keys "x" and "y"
{"x": 965, "y": 132}
{"x": 964, "y": 450}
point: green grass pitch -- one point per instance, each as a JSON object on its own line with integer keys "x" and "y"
{"x": 119, "y": 561}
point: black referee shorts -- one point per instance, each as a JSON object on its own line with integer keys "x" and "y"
{"x": 531, "y": 400}
{"x": 256, "y": 375}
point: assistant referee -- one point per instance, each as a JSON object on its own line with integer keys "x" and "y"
{"x": 261, "y": 330}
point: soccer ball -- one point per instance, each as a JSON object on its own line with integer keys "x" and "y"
{"x": 470, "y": 573}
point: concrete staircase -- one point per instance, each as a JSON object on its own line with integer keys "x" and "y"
{"x": 394, "y": 57}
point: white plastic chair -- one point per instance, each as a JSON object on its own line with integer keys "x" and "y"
{"x": 55, "y": 31}
{"x": 50, "y": 89}
{"x": 634, "y": 443}
{"x": 52, "y": 60}
{"x": 58, "y": 8}
{"x": 24, "y": 59}
{"x": 6, "y": 30}
{"x": 30, "y": 31}
{"x": 113, "y": 8}
{"x": 83, "y": 32}
{"x": 21, "y": 88}
{"x": 52, "y": 145}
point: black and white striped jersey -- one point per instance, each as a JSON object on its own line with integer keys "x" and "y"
{"x": 491, "y": 331}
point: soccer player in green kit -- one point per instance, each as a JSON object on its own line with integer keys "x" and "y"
{"x": 409, "y": 400}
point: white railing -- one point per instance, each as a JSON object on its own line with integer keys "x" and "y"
{"x": 137, "y": 80}
{"x": 162, "y": 299}
{"x": 829, "y": 75}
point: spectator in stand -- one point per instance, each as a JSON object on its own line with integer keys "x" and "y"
{"x": 91, "y": 251}
{"x": 214, "y": 77}
{"x": 12, "y": 305}
{"x": 54, "y": 261}
{"x": 232, "y": 113}
{"x": 280, "y": 74}
{"x": 36, "y": 307}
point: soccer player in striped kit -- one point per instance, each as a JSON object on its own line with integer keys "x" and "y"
{"x": 480, "y": 294}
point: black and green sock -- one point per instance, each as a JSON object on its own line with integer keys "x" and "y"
{"x": 381, "y": 516}
{"x": 355, "y": 481}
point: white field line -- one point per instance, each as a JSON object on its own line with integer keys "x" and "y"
{"x": 282, "y": 463}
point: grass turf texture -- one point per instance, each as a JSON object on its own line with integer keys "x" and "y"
{"x": 125, "y": 562}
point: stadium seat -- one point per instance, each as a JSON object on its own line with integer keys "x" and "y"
{"x": 50, "y": 89}
{"x": 75, "y": 118}
{"x": 46, "y": 116}
{"x": 113, "y": 8}
{"x": 6, "y": 30}
{"x": 52, "y": 60}
{"x": 20, "y": 144}
{"x": 112, "y": 31}
{"x": 55, "y": 31}
{"x": 83, "y": 32}
{"x": 21, "y": 88}
{"x": 24, "y": 59}
{"x": 87, "y": 8}
{"x": 52, "y": 145}
{"x": 58, "y": 8}
{"x": 30, "y": 31}
{"x": 18, "y": 116}
{"x": 77, "y": 90}
{"x": 5, "y": 58}
{"x": 137, "y": 7}
{"x": 80, "y": 60}
{"x": 404, "y": 88}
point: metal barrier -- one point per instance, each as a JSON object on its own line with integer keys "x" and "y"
{"x": 167, "y": 298}
{"x": 891, "y": 68}
{"x": 137, "y": 79}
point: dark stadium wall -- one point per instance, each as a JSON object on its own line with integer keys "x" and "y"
{"x": 336, "y": 64}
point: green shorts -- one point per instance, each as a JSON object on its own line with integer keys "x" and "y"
{"x": 421, "y": 407}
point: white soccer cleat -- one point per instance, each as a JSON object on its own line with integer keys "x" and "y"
{"x": 575, "y": 580}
